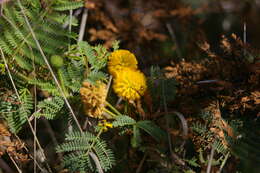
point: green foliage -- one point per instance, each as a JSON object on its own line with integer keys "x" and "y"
{"x": 97, "y": 56}
{"x": 57, "y": 61}
{"x": 63, "y": 5}
{"x": 16, "y": 113}
{"x": 50, "y": 107}
{"x": 78, "y": 147}
{"x": 122, "y": 121}
{"x": 71, "y": 77}
{"x": 45, "y": 86}
{"x": 16, "y": 39}
{"x": 92, "y": 58}
{"x": 96, "y": 76}
{"x": 199, "y": 128}
{"x": 152, "y": 129}
{"x": 146, "y": 125}
{"x": 81, "y": 61}
{"x": 115, "y": 45}
{"x": 193, "y": 162}
{"x": 219, "y": 147}
{"x": 136, "y": 138}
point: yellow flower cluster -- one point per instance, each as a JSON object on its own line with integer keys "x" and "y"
{"x": 129, "y": 83}
{"x": 93, "y": 98}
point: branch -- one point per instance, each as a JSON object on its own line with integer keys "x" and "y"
{"x": 210, "y": 160}
{"x": 97, "y": 163}
{"x": 83, "y": 24}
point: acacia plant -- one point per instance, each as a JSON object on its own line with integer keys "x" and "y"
{"x": 41, "y": 54}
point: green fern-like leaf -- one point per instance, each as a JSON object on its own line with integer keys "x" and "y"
{"x": 96, "y": 76}
{"x": 16, "y": 39}
{"x": 124, "y": 120}
{"x": 115, "y": 45}
{"x": 219, "y": 147}
{"x": 77, "y": 136}
{"x": 16, "y": 113}
{"x": 68, "y": 6}
{"x": 72, "y": 146}
{"x": 105, "y": 155}
{"x": 78, "y": 161}
{"x": 45, "y": 86}
{"x": 199, "y": 128}
{"x": 193, "y": 162}
{"x": 79, "y": 145}
{"x": 50, "y": 107}
{"x": 96, "y": 56}
{"x": 71, "y": 77}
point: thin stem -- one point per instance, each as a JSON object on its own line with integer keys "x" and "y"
{"x": 70, "y": 26}
{"x": 93, "y": 156}
{"x": 76, "y": 14}
{"x": 33, "y": 115}
{"x": 70, "y": 21}
{"x": 93, "y": 143}
{"x": 61, "y": 78}
{"x": 183, "y": 122}
{"x": 224, "y": 162}
{"x": 166, "y": 118}
{"x": 83, "y": 24}
{"x": 244, "y": 37}
{"x": 141, "y": 163}
{"x": 113, "y": 109}
{"x": 109, "y": 84}
{"x": 15, "y": 164}
{"x": 34, "y": 147}
{"x": 119, "y": 101}
{"x": 95, "y": 159}
{"x": 210, "y": 160}
{"x": 173, "y": 36}
{"x": 35, "y": 108}
{"x": 110, "y": 113}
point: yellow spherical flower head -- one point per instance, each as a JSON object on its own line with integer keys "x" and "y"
{"x": 130, "y": 84}
{"x": 93, "y": 98}
{"x": 120, "y": 59}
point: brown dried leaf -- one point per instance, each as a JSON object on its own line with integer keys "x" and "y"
{"x": 4, "y": 131}
{"x": 103, "y": 34}
{"x": 225, "y": 44}
{"x": 245, "y": 99}
{"x": 150, "y": 35}
{"x": 183, "y": 12}
{"x": 140, "y": 110}
{"x": 256, "y": 97}
{"x": 90, "y": 4}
